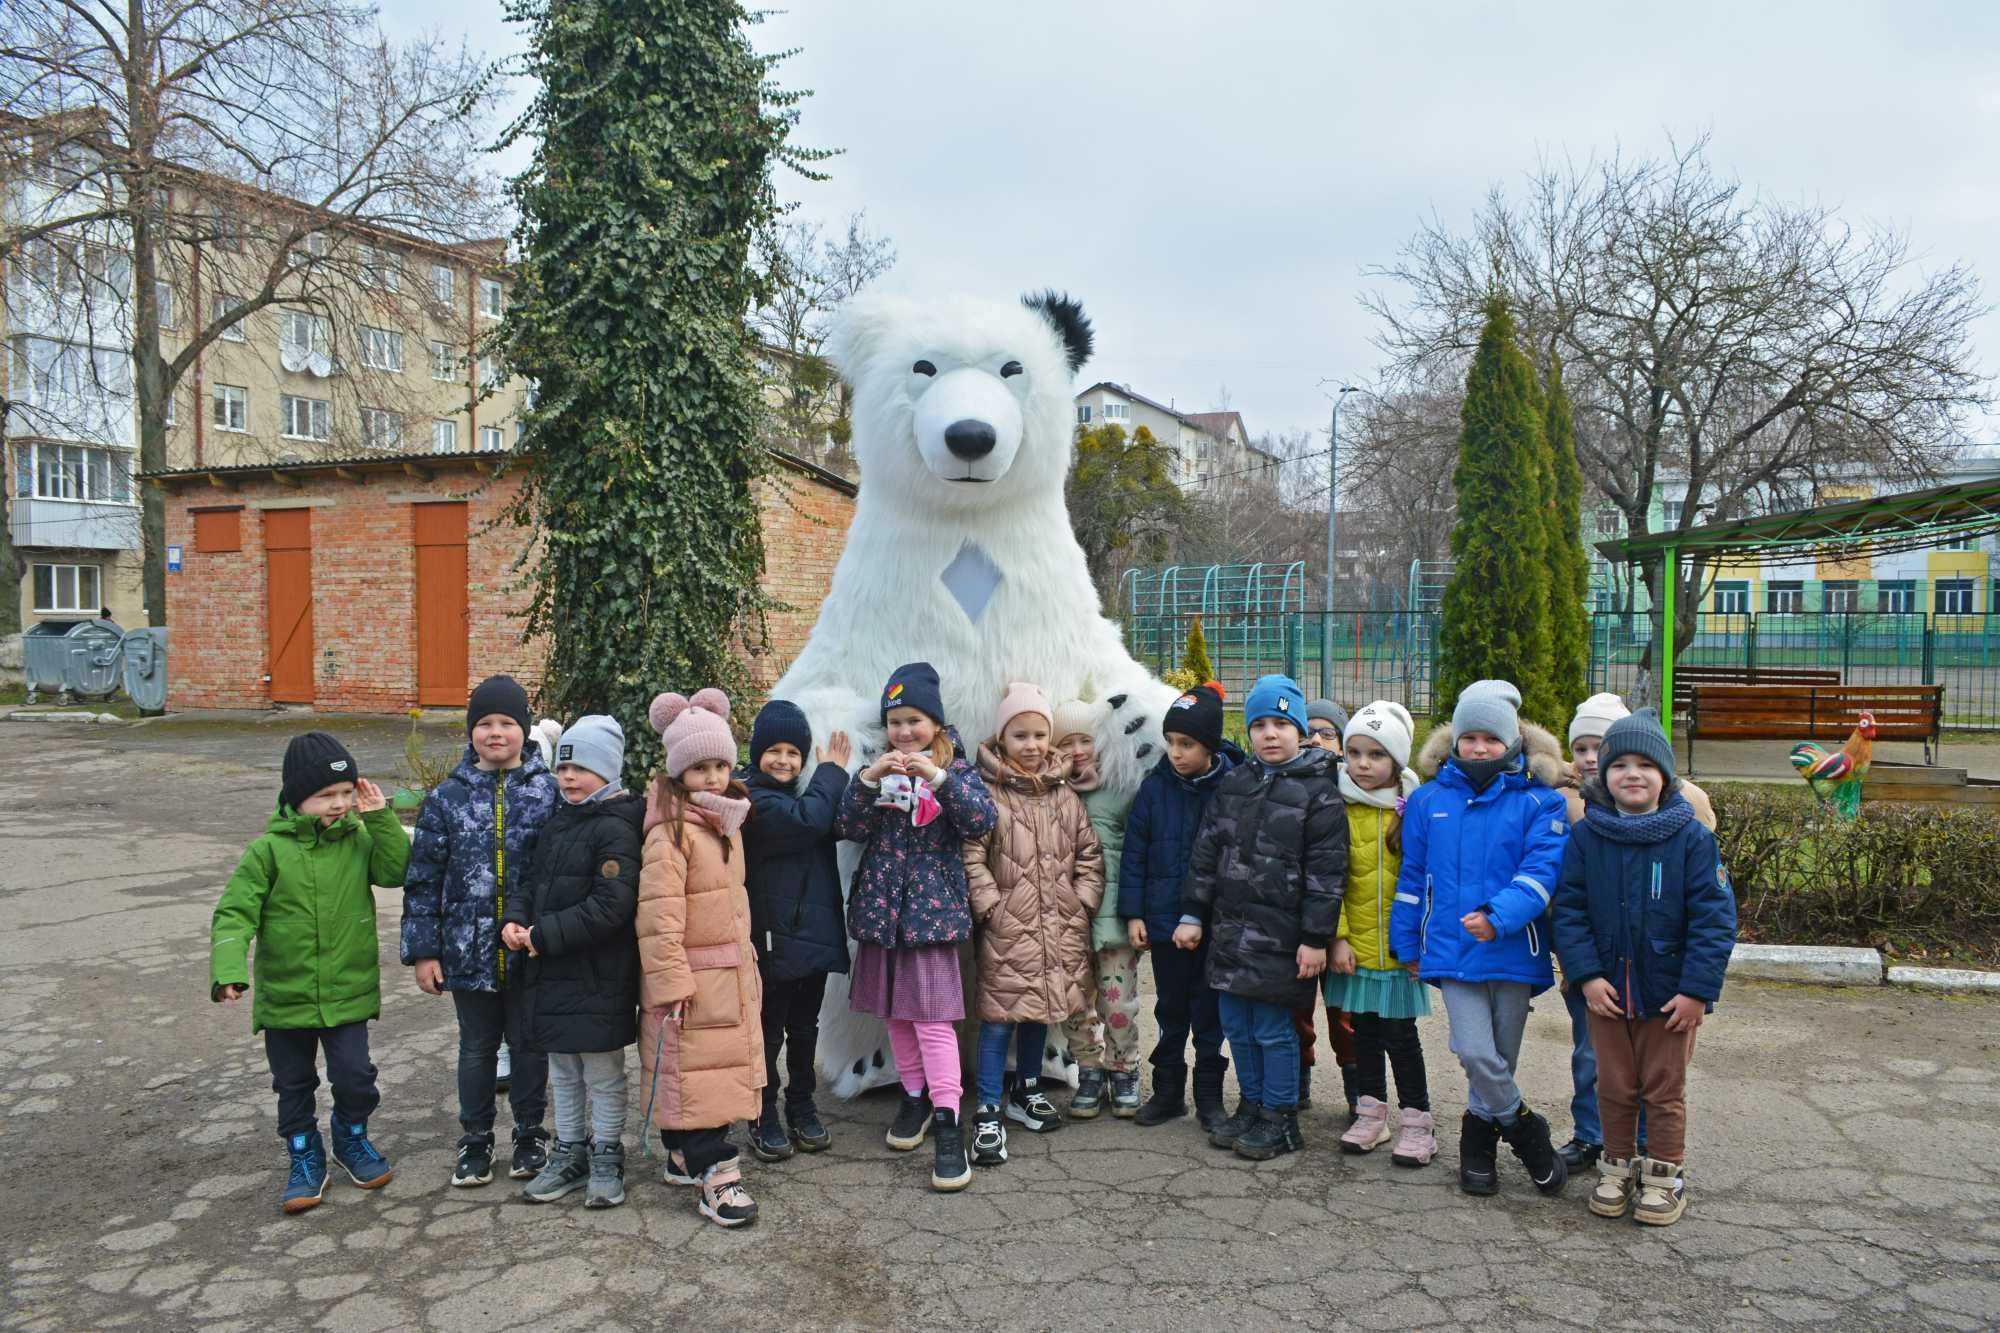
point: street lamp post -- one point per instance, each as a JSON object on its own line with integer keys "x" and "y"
{"x": 1332, "y": 510}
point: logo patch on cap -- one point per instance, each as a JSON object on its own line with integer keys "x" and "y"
{"x": 1185, "y": 701}
{"x": 564, "y": 752}
{"x": 895, "y": 691}
{"x": 338, "y": 765}
{"x": 1284, "y": 705}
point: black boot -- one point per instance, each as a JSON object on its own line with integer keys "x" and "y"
{"x": 1478, "y": 1141}
{"x": 1350, "y": 1082}
{"x": 1276, "y": 1131}
{"x": 1208, "y": 1108}
{"x": 1169, "y": 1099}
{"x": 1528, "y": 1136}
{"x": 950, "y": 1171}
{"x": 1230, "y": 1131}
{"x": 1580, "y": 1154}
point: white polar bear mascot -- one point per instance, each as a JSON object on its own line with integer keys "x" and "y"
{"x": 961, "y": 554}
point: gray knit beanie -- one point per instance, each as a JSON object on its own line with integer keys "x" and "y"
{"x": 1492, "y": 706}
{"x": 1326, "y": 710}
{"x": 595, "y": 742}
{"x": 1638, "y": 734}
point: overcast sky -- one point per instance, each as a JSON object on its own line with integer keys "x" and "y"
{"x": 1211, "y": 179}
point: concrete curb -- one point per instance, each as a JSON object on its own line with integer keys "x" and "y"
{"x": 21, "y": 715}
{"x": 1823, "y": 965}
{"x": 1950, "y": 980}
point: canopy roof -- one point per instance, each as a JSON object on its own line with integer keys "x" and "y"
{"x": 1881, "y": 525}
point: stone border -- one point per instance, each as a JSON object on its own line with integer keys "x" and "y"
{"x": 1830, "y": 965}
{"x": 1952, "y": 980}
{"x": 24, "y": 714}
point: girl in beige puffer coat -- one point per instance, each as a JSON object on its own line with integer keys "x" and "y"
{"x": 1036, "y": 881}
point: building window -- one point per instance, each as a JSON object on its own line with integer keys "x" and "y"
{"x": 381, "y": 428}
{"x": 491, "y": 439}
{"x": 1607, "y": 519}
{"x": 313, "y": 245}
{"x": 380, "y": 268}
{"x": 231, "y": 407}
{"x": 1083, "y": 414}
{"x": 1842, "y": 596}
{"x": 444, "y": 283}
{"x": 381, "y": 349}
{"x": 71, "y": 379}
{"x": 1732, "y": 599}
{"x": 444, "y": 437}
{"x": 73, "y": 472}
{"x": 63, "y": 589}
{"x": 171, "y": 410}
{"x": 1896, "y": 597}
{"x": 1952, "y": 597}
{"x": 444, "y": 362}
{"x": 304, "y": 418}
{"x": 163, "y": 300}
{"x": 224, "y": 232}
{"x": 492, "y": 301}
{"x": 1670, "y": 513}
{"x": 1956, "y": 544}
{"x": 1785, "y": 598}
{"x": 489, "y": 373}
{"x": 301, "y": 333}
{"x": 1118, "y": 411}
{"x": 221, "y": 306}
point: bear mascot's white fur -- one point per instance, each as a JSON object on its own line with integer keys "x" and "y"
{"x": 961, "y": 554}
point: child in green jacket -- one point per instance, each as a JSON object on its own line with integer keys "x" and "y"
{"x": 302, "y": 892}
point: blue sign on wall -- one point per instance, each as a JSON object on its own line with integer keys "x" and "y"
{"x": 173, "y": 560}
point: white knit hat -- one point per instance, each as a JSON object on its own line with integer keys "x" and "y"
{"x": 1595, "y": 715}
{"x": 1388, "y": 725}
{"x": 1076, "y": 717}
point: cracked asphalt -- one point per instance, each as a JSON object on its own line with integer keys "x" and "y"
{"x": 1844, "y": 1173}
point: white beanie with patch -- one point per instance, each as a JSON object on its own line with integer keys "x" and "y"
{"x": 1595, "y": 715}
{"x": 1388, "y": 725}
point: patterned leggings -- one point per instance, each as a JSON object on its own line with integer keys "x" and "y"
{"x": 1106, "y": 1035}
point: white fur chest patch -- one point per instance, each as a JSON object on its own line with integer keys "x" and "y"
{"x": 971, "y": 578}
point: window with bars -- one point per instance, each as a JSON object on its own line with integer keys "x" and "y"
{"x": 305, "y": 418}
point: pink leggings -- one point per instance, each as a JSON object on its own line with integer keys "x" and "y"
{"x": 928, "y": 1053}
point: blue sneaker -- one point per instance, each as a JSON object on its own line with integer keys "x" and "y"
{"x": 308, "y": 1179}
{"x": 357, "y": 1156}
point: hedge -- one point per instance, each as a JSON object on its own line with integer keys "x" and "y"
{"x": 1912, "y": 880}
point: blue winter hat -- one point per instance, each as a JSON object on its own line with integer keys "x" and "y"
{"x": 780, "y": 722}
{"x": 1276, "y": 696}
{"x": 595, "y": 742}
{"x": 914, "y": 685}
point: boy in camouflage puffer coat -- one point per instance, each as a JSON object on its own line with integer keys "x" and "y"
{"x": 472, "y": 840}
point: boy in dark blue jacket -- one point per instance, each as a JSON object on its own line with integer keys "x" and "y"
{"x": 1482, "y": 843}
{"x": 1645, "y": 920}
{"x": 797, "y": 919}
{"x": 1159, "y": 842}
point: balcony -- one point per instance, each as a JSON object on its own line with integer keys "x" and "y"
{"x": 80, "y": 525}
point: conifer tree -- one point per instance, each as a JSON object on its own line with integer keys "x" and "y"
{"x": 1494, "y": 620}
{"x": 1195, "y": 659}
{"x": 1569, "y": 569}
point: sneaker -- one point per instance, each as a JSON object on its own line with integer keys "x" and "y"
{"x": 1581, "y": 1155}
{"x": 1125, "y": 1096}
{"x": 1235, "y": 1127}
{"x": 1615, "y": 1179}
{"x": 675, "y": 1172}
{"x": 913, "y": 1121}
{"x": 307, "y": 1181}
{"x": 1370, "y": 1129}
{"x": 950, "y": 1172}
{"x": 724, "y": 1201}
{"x": 475, "y": 1161}
{"x": 1033, "y": 1111}
{"x": 809, "y": 1132}
{"x": 357, "y": 1156}
{"x": 1276, "y": 1132}
{"x": 503, "y": 1069}
{"x": 566, "y": 1168}
{"x": 607, "y": 1176}
{"x": 1662, "y": 1194}
{"x": 768, "y": 1138}
{"x": 531, "y": 1152}
{"x": 989, "y": 1136}
{"x": 1089, "y": 1099}
{"x": 1416, "y": 1139}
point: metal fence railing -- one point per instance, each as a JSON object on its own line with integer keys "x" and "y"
{"x": 1357, "y": 655}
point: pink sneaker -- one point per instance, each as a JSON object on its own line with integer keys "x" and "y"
{"x": 1370, "y": 1129}
{"x": 1416, "y": 1140}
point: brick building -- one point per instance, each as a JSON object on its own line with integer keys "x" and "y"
{"x": 345, "y": 583}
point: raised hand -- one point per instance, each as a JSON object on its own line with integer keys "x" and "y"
{"x": 368, "y": 797}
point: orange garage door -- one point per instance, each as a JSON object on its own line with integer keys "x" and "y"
{"x": 289, "y": 603}
{"x": 441, "y": 613}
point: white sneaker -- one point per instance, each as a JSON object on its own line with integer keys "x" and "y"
{"x": 503, "y": 1071}
{"x": 1032, "y": 1110}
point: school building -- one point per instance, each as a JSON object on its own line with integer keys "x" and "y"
{"x": 383, "y": 582}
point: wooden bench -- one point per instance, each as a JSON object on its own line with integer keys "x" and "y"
{"x": 1687, "y": 677}
{"x": 1814, "y": 713}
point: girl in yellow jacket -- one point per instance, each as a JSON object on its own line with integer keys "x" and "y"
{"x": 1379, "y": 990}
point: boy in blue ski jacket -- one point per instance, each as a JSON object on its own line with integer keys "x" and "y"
{"x": 1482, "y": 845}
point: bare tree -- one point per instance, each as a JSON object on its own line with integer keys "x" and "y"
{"x": 807, "y": 276}
{"x": 263, "y": 152}
{"x": 1395, "y": 474}
{"x": 1733, "y": 349}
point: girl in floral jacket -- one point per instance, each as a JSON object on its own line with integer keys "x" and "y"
{"x": 913, "y": 809}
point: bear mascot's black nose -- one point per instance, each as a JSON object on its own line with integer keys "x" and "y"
{"x": 969, "y": 439}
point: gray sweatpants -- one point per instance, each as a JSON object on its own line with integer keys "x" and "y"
{"x": 603, "y": 1074}
{"x": 1487, "y": 1019}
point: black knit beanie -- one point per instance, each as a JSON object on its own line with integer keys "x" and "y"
{"x": 1197, "y": 715}
{"x": 497, "y": 694}
{"x": 312, "y": 761}
{"x": 780, "y": 720}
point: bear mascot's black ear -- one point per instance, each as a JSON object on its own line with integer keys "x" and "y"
{"x": 1066, "y": 317}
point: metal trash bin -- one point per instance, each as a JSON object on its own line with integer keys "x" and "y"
{"x": 145, "y": 670}
{"x": 71, "y": 657}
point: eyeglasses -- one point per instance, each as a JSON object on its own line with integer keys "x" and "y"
{"x": 1324, "y": 733}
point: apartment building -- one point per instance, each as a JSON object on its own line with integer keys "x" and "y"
{"x": 371, "y": 348}
{"x": 1210, "y": 449}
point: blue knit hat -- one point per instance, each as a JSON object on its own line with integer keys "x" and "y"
{"x": 780, "y": 722}
{"x": 1276, "y": 696}
{"x": 914, "y": 685}
{"x": 1639, "y": 734}
{"x": 595, "y": 742}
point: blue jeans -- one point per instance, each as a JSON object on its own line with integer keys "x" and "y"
{"x": 1031, "y": 1042}
{"x": 1266, "y": 1049}
{"x": 1583, "y": 1073}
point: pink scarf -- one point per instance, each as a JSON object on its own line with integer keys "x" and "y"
{"x": 724, "y": 814}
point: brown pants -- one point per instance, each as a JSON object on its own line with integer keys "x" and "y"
{"x": 1339, "y": 1033}
{"x": 1642, "y": 1062}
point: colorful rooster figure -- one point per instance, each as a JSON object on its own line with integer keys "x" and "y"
{"x": 1835, "y": 775}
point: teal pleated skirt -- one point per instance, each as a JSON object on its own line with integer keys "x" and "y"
{"x": 1391, "y": 993}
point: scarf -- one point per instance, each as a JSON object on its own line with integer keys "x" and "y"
{"x": 724, "y": 814}
{"x": 1481, "y": 772}
{"x": 1382, "y": 798}
{"x": 1654, "y": 827}
{"x": 1084, "y": 776}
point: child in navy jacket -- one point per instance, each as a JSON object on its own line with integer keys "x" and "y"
{"x": 1645, "y": 920}
{"x": 1482, "y": 844}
